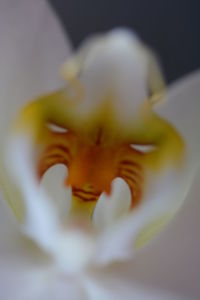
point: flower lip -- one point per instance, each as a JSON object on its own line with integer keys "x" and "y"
{"x": 92, "y": 168}
{"x": 104, "y": 148}
{"x": 93, "y": 164}
{"x": 101, "y": 150}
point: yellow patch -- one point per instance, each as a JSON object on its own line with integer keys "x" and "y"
{"x": 151, "y": 230}
{"x": 81, "y": 208}
{"x": 13, "y": 198}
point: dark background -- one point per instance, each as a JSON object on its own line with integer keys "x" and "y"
{"x": 171, "y": 28}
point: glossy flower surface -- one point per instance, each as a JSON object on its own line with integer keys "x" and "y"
{"x": 129, "y": 155}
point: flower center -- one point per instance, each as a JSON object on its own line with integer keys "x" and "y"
{"x": 92, "y": 166}
{"x": 96, "y": 148}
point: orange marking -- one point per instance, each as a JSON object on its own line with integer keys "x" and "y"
{"x": 93, "y": 165}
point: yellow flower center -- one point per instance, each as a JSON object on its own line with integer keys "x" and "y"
{"x": 96, "y": 149}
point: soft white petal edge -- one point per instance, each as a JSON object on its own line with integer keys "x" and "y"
{"x": 71, "y": 247}
{"x": 113, "y": 288}
{"x": 110, "y": 208}
{"x": 172, "y": 261}
{"x": 23, "y": 264}
{"x": 37, "y": 283}
{"x": 33, "y": 47}
{"x": 182, "y": 108}
{"x": 118, "y": 66}
{"x": 164, "y": 193}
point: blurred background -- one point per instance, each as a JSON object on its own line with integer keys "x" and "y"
{"x": 171, "y": 28}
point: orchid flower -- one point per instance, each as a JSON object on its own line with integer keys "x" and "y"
{"x": 124, "y": 146}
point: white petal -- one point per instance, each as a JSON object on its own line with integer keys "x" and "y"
{"x": 23, "y": 278}
{"x": 40, "y": 219}
{"x": 9, "y": 229}
{"x": 26, "y": 272}
{"x": 115, "y": 61}
{"x": 53, "y": 183}
{"x": 162, "y": 198}
{"x": 19, "y": 284}
{"x": 164, "y": 193}
{"x": 19, "y": 260}
{"x": 25, "y": 281}
{"x": 63, "y": 288}
{"x": 182, "y": 109}
{"x": 110, "y": 208}
{"x": 117, "y": 67}
{"x": 72, "y": 248}
{"x": 32, "y": 48}
{"x": 172, "y": 261}
{"x": 110, "y": 285}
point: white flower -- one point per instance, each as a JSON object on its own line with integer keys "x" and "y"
{"x": 51, "y": 251}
